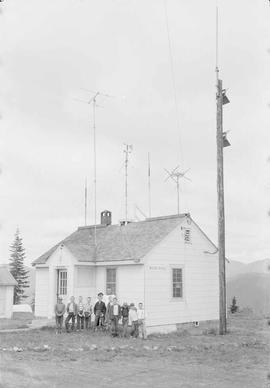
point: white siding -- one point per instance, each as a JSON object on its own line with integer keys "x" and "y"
{"x": 129, "y": 282}
{"x": 42, "y": 292}
{"x": 200, "y": 280}
{"x": 9, "y": 300}
{"x": 84, "y": 282}
{"x": 46, "y": 285}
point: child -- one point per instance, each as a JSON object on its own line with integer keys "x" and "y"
{"x": 59, "y": 310}
{"x": 114, "y": 314}
{"x": 80, "y": 314}
{"x": 141, "y": 320}
{"x": 72, "y": 312}
{"x": 124, "y": 313}
{"x": 99, "y": 311}
{"x": 133, "y": 320}
{"x": 88, "y": 313}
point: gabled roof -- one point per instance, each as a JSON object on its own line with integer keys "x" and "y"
{"x": 6, "y": 279}
{"x": 115, "y": 242}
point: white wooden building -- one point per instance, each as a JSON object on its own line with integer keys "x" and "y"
{"x": 167, "y": 263}
{"x": 7, "y": 284}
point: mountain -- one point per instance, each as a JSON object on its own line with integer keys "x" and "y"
{"x": 250, "y": 284}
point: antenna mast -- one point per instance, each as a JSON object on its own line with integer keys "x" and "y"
{"x": 176, "y": 175}
{"x": 127, "y": 150}
{"x": 93, "y": 102}
{"x": 149, "y": 187}
{"x": 85, "y": 202}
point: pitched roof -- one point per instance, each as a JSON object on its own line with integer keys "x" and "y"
{"x": 6, "y": 279}
{"x": 115, "y": 242}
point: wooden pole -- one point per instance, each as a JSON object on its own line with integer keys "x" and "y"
{"x": 220, "y": 208}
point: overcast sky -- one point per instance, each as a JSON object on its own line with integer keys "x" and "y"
{"x": 51, "y": 50}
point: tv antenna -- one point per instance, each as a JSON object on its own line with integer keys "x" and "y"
{"x": 93, "y": 102}
{"x": 127, "y": 150}
{"x": 176, "y": 175}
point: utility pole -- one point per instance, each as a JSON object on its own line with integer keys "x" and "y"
{"x": 127, "y": 150}
{"x": 221, "y": 217}
{"x": 221, "y": 99}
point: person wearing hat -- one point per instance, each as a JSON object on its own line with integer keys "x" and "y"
{"x": 59, "y": 310}
{"x": 99, "y": 311}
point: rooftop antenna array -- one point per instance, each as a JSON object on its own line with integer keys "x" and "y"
{"x": 93, "y": 103}
{"x": 127, "y": 150}
{"x": 176, "y": 175}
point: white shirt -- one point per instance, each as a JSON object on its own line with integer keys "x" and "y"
{"x": 140, "y": 313}
{"x": 115, "y": 309}
{"x": 132, "y": 316}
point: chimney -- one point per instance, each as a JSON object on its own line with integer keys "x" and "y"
{"x": 106, "y": 218}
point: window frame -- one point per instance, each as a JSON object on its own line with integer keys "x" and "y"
{"x": 181, "y": 297}
{"x": 111, "y": 284}
{"x": 62, "y": 282}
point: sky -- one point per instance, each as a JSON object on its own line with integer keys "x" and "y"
{"x": 160, "y": 74}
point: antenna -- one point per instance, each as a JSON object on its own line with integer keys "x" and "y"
{"x": 85, "y": 202}
{"x": 149, "y": 186}
{"x": 176, "y": 175}
{"x": 93, "y": 102}
{"x": 217, "y": 68}
{"x": 127, "y": 150}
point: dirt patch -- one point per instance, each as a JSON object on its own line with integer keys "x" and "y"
{"x": 41, "y": 358}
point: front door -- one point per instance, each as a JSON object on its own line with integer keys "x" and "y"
{"x": 62, "y": 284}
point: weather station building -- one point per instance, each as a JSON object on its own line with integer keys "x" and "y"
{"x": 168, "y": 263}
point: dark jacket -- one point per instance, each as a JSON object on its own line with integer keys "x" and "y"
{"x": 100, "y": 307}
{"x": 111, "y": 311}
{"x": 124, "y": 311}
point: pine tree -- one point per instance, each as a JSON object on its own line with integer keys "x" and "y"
{"x": 17, "y": 268}
{"x": 233, "y": 307}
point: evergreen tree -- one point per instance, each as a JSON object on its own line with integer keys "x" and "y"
{"x": 233, "y": 307}
{"x": 17, "y": 268}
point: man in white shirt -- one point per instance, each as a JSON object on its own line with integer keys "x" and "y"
{"x": 114, "y": 314}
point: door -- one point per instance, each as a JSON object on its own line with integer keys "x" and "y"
{"x": 62, "y": 285}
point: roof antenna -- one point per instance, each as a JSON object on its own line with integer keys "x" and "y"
{"x": 127, "y": 150}
{"x": 93, "y": 102}
{"x": 149, "y": 186}
{"x": 176, "y": 175}
{"x": 85, "y": 203}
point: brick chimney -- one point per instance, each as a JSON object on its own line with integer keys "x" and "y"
{"x": 106, "y": 218}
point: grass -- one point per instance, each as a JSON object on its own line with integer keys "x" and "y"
{"x": 181, "y": 359}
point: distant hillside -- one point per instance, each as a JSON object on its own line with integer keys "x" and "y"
{"x": 251, "y": 290}
{"x": 236, "y": 268}
{"x": 250, "y": 284}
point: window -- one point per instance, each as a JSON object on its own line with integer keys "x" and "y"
{"x": 111, "y": 280}
{"x": 177, "y": 282}
{"x": 62, "y": 282}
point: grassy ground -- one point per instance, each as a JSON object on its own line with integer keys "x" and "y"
{"x": 11, "y": 324}
{"x": 40, "y": 358}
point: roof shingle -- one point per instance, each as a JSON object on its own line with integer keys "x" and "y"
{"x": 115, "y": 242}
{"x": 6, "y": 279}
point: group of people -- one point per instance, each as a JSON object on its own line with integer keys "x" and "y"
{"x": 107, "y": 316}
